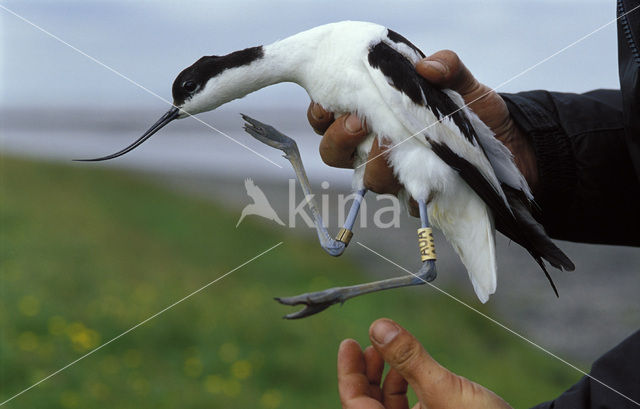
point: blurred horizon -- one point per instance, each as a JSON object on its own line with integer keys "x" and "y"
{"x": 150, "y": 42}
{"x": 48, "y": 86}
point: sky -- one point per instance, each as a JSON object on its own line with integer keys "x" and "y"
{"x": 151, "y": 41}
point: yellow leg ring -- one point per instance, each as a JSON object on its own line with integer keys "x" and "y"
{"x": 344, "y": 235}
{"x": 426, "y": 244}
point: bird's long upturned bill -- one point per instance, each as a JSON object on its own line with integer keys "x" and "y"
{"x": 169, "y": 116}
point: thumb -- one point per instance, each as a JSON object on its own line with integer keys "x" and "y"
{"x": 431, "y": 382}
{"x": 445, "y": 69}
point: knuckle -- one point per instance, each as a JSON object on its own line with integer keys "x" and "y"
{"x": 327, "y": 157}
{"x": 452, "y": 56}
{"x": 374, "y": 184}
{"x": 318, "y": 118}
{"x": 333, "y": 157}
{"x": 406, "y": 355}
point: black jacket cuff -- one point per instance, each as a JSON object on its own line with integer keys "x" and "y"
{"x": 553, "y": 149}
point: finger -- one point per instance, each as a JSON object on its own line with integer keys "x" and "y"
{"x": 374, "y": 366}
{"x": 378, "y": 175}
{"x": 353, "y": 384}
{"x": 447, "y": 70}
{"x": 338, "y": 146}
{"x": 430, "y": 381}
{"x": 394, "y": 391}
{"x": 319, "y": 119}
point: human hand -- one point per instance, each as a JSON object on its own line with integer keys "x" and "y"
{"x": 443, "y": 69}
{"x": 360, "y": 375}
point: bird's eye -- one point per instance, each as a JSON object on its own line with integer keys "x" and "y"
{"x": 189, "y": 86}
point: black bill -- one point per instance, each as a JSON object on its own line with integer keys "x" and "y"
{"x": 172, "y": 114}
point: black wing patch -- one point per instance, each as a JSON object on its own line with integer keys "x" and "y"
{"x": 514, "y": 221}
{"x": 397, "y": 38}
{"x": 208, "y": 67}
{"x": 405, "y": 79}
{"x": 476, "y": 181}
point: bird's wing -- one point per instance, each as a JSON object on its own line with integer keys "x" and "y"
{"x": 454, "y": 140}
{"x": 457, "y": 143}
{"x": 499, "y": 156}
{"x": 466, "y": 223}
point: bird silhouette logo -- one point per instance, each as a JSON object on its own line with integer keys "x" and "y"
{"x": 260, "y": 206}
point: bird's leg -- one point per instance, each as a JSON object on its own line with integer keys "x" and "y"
{"x": 272, "y": 137}
{"x": 426, "y": 245}
{"x": 321, "y": 300}
{"x": 346, "y": 232}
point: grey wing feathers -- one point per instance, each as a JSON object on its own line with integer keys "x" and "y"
{"x": 499, "y": 156}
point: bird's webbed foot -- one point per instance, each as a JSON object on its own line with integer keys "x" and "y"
{"x": 270, "y": 136}
{"x": 313, "y": 302}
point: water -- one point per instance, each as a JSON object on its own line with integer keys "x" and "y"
{"x": 598, "y": 304}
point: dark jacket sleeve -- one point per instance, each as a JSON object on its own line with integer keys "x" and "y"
{"x": 588, "y": 189}
{"x": 614, "y": 381}
{"x": 588, "y": 149}
{"x": 588, "y": 154}
{"x": 629, "y": 69}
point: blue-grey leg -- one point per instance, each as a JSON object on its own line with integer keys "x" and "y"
{"x": 346, "y": 232}
{"x": 276, "y": 139}
{"x": 321, "y": 300}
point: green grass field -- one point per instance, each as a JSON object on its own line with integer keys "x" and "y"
{"x": 86, "y": 254}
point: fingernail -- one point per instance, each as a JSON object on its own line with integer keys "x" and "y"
{"x": 353, "y": 124}
{"x": 384, "y": 332}
{"x": 317, "y": 112}
{"x": 436, "y": 65}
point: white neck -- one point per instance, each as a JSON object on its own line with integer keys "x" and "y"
{"x": 283, "y": 61}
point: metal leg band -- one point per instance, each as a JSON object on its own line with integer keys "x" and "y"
{"x": 426, "y": 244}
{"x": 344, "y": 235}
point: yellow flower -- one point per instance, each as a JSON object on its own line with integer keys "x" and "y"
{"x": 271, "y": 399}
{"x": 28, "y": 341}
{"x": 140, "y": 385}
{"x": 214, "y": 384}
{"x": 69, "y": 399}
{"x": 241, "y": 369}
{"x": 29, "y": 305}
{"x": 99, "y": 390}
{"x": 193, "y": 367}
{"x": 82, "y": 337}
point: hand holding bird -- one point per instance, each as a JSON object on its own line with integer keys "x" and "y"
{"x": 444, "y": 69}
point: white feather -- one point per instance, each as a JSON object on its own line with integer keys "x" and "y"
{"x": 331, "y": 63}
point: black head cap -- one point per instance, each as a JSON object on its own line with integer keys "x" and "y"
{"x": 193, "y": 78}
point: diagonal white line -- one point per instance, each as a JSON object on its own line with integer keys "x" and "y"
{"x": 140, "y": 323}
{"x": 503, "y": 84}
{"x": 500, "y": 324}
{"x": 119, "y": 74}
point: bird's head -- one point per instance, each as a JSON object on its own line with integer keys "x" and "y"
{"x": 194, "y": 89}
{"x": 203, "y": 86}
